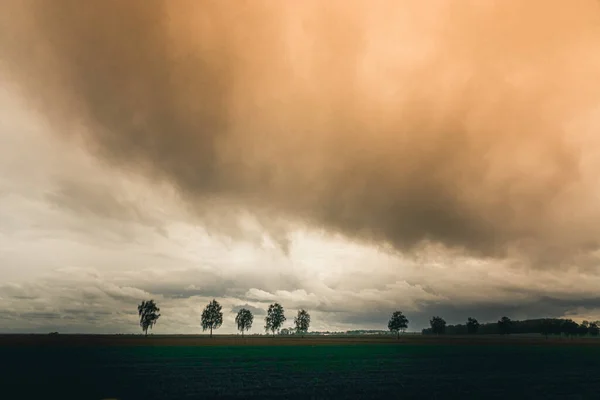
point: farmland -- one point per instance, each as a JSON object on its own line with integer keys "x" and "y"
{"x": 179, "y": 367}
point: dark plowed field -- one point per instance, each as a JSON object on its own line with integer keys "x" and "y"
{"x": 129, "y": 367}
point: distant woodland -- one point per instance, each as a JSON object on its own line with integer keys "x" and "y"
{"x": 544, "y": 326}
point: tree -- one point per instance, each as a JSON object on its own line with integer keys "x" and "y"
{"x": 556, "y": 326}
{"x": 583, "y": 329}
{"x": 398, "y": 323}
{"x": 148, "y": 313}
{"x": 275, "y": 318}
{"x": 546, "y": 327}
{"x": 593, "y": 329}
{"x": 212, "y": 317}
{"x": 504, "y": 325}
{"x": 438, "y": 325}
{"x": 244, "y": 319}
{"x": 570, "y": 327}
{"x": 472, "y": 325}
{"x": 302, "y": 322}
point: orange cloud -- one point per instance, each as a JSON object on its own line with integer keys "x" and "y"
{"x": 469, "y": 124}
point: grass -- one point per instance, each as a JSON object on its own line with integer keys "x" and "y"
{"x": 97, "y": 367}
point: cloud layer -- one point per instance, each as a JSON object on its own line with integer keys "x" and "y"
{"x": 471, "y": 125}
{"x": 78, "y": 266}
{"x": 461, "y": 136}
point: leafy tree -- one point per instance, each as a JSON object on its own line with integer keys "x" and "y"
{"x": 148, "y": 313}
{"x": 244, "y": 319}
{"x": 547, "y": 327}
{"x": 555, "y": 326}
{"x": 275, "y": 318}
{"x": 570, "y": 327}
{"x": 593, "y": 329}
{"x": 472, "y": 325}
{"x": 544, "y": 326}
{"x": 504, "y": 326}
{"x": 438, "y": 325}
{"x": 212, "y": 317}
{"x": 302, "y": 322}
{"x": 398, "y": 323}
{"x": 583, "y": 328}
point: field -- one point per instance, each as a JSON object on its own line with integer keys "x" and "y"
{"x": 190, "y": 367}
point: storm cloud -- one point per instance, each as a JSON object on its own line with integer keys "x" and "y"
{"x": 397, "y": 123}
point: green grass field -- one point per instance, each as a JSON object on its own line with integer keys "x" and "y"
{"x": 356, "y": 370}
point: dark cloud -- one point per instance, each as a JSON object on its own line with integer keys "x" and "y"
{"x": 83, "y": 312}
{"x": 25, "y": 297}
{"x": 180, "y": 292}
{"x": 211, "y": 281}
{"x": 396, "y": 125}
{"x": 33, "y": 316}
{"x": 254, "y": 310}
{"x": 191, "y": 282}
{"x": 66, "y": 307}
{"x": 96, "y": 199}
{"x": 22, "y": 292}
{"x": 542, "y": 307}
{"x": 567, "y": 305}
{"x": 9, "y": 315}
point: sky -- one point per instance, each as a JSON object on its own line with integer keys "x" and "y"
{"x": 348, "y": 157}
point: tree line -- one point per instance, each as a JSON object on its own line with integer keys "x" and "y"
{"x": 506, "y": 326}
{"x": 212, "y": 319}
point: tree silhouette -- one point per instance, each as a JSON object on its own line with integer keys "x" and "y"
{"x": 302, "y": 322}
{"x": 555, "y": 327}
{"x": 583, "y": 328}
{"x": 504, "y": 325}
{"x": 398, "y": 323}
{"x": 244, "y": 319}
{"x": 547, "y": 327}
{"x": 570, "y": 327}
{"x": 544, "y": 326}
{"x": 212, "y": 317}
{"x": 438, "y": 325}
{"x": 148, "y": 313}
{"x": 275, "y": 318}
{"x": 593, "y": 329}
{"x": 472, "y": 325}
